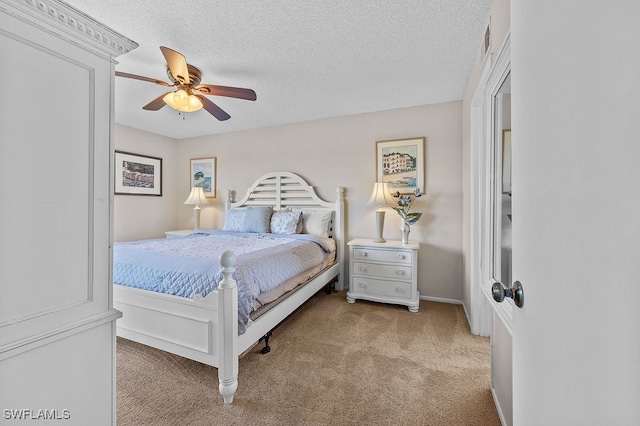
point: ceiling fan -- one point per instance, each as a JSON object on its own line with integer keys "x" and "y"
{"x": 188, "y": 96}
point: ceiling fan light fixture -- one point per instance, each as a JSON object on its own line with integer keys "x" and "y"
{"x": 186, "y": 80}
{"x": 183, "y": 101}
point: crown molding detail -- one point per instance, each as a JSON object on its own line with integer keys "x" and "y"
{"x": 64, "y": 17}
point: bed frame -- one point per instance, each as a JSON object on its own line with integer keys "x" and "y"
{"x": 206, "y": 329}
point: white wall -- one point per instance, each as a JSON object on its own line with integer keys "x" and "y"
{"x": 137, "y": 216}
{"x": 328, "y": 153}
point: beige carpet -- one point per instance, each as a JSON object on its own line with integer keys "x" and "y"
{"x": 331, "y": 363}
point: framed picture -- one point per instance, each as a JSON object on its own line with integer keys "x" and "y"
{"x": 137, "y": 174}
{"x": 400, "y": 163}
{"x": 203, "y": 175}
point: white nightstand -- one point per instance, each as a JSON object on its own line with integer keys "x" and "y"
{"x": 384, "y": 272}
{"x": 179, "y": 233}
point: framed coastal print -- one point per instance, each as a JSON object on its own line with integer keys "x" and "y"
{"x": 203, "y": 175}
{"x": 400, "y": 163}
{"x": 137, "y": 174}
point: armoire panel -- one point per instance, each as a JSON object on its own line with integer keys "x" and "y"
{"x": 65, "y": 377}
{"x": 57, "y": 325}
{"x": 46, "y": 174}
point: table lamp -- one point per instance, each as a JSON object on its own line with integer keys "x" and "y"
{"x": 380, "y": 197}
{"x": 196, "y": 197}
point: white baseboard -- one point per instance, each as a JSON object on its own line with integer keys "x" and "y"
{"x": 442, "y": 300}
{"x": 466, "y": 314}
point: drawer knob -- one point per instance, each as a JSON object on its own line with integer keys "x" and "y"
{"x": 401, "y": 256}
{"x": 364, "y": 254}
{"x": 363, "y": 285}
{"x": 399, "y": 289}
{"x": 363, "y": 268}
{"x": 400, "y": 272}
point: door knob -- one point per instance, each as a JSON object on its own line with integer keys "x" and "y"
{"x": 516, "y": 292}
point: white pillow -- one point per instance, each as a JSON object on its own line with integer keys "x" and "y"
{"x": 285, "y": 222}
{"x": 316, "y": 221}
{"x": 234, "y": 220}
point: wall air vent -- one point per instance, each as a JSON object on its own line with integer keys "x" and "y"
{"x": 486, "y": 42}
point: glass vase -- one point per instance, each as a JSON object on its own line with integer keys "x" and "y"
{"x": 405, "y": 228}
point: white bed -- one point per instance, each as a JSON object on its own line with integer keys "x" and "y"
{"x": 206, "y": 329}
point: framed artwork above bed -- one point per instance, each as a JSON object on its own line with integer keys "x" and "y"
{"x": 400, "y": 163}
{"x": 203, "y": 175}
{"x": 137, "y": 174}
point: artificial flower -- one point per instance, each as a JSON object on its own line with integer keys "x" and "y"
{"x": 404, "y": 206}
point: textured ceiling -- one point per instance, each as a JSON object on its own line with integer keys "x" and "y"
{"x": 305, "y": 59}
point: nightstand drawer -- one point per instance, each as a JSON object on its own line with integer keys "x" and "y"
{"x": 397, "y": 272}
{"x": 381, "y": 287}
{"x": 395, "y": 256}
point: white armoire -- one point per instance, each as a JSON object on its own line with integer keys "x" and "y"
{"x": 57, "y": 322}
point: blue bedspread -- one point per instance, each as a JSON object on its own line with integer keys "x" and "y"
{"x": 189, "y": 265}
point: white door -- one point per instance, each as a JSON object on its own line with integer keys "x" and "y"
{"x": 496, "y": 253}
{"x": 576, "y": 234}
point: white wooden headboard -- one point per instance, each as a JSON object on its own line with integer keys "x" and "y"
{"x": 280, "y": 190}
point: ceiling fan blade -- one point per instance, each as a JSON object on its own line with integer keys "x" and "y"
{"x": 231, "y": 92}
{"x": 156, "y": 104}
{"x": 213, "y": 109}
{"x": 177, "y": 64}
{"x": 139, "y": 77}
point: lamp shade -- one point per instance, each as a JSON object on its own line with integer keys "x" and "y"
{"x": 197, "y": 197}
{"x": 183, "y": 100}
{"x": 380, "y": 195}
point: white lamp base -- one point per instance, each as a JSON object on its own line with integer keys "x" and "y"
{"x": 196, "y": 217}
{"x": 380, "y": 226}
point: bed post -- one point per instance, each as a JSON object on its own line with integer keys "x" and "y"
{"x": 342, "y": 277}
{"x": 228, "y": 336}
{"x": 228, "y": 200}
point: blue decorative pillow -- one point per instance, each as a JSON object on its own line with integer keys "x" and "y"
{"x": 257, "y": 219}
